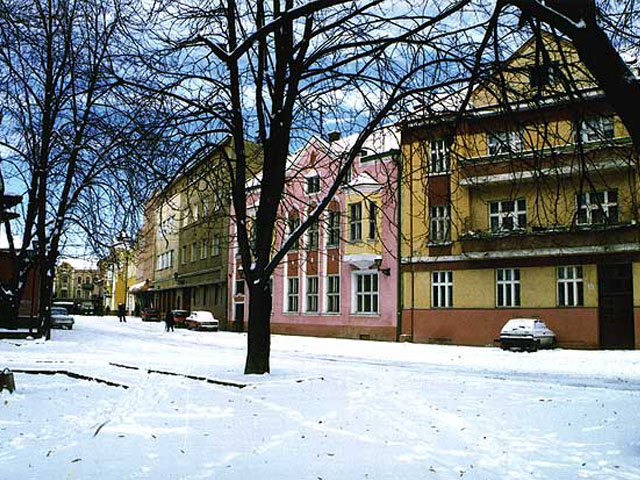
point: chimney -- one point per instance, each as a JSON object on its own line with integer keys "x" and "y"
{"x": 334, "y": 136}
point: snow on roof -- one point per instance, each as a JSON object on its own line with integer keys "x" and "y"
{"x": 86, "y": 263}
{"x": 382, "y": 140}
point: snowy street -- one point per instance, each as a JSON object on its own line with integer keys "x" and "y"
{"x": 331, "y": 409}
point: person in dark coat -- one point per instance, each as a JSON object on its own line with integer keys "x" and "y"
{"x": 121, "y": 313}
{"x": 168, "y": 321}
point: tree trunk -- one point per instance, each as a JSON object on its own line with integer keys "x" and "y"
{"x": 45, "y": 293}
{"x": 259, "y": 338}
{"x": 621, "y": 88}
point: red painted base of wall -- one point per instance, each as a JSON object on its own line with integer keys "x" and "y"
{"x": 335, "y": 331}
{"x": 574, "y": 327}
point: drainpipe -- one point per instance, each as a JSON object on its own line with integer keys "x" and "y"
{"x": 399, "y": 299}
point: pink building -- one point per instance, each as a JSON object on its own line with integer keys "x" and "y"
{"x": 341, "y": 280}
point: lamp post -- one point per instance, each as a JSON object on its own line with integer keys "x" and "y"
{"x": 123, "y": 240}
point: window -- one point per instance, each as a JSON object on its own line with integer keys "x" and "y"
{"x": 373, "y": 220}
{"x": 596, "y": 129}
{"x": 355, "y": 221}
{"x": 333, "y": 230}
{"x": 78, "y": 293}
{"x": 292, "y": 224}
{"x": 292, "y": 294}
{"x": 333, "y": 294}
{"x": 440, "y": 224}
{"x": 508, "y": 215}
{"x": 313, "y": 235}
{"x": 203, "y": 249}
{"x": 217, "y": 294}
{"x": 366, "y": 292}
{"x": 441, "y": 289}
{"x": 194, "y": 251}
{"x": 204, "y": 294}
{"x": 347, "y": 178}
{"x": 543, "y": 74}
{"x": 215, "y": 250}
{"x": 598, "y": 207}
{"x": 508, "y": 287}
{"x": 313, "y": 184}
{"x": 185, "y": 254}
{"x": 505, "y": 142}
{"x": 79, "y": 281}
{"x": 439, "y": 158}
{"x": 570, "y": 286}
{"x": 312, "y": 294}
{"x": 239, "y": 287}
{"x": 64, "y": 293}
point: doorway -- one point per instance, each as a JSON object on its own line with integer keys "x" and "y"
{"x": 615, "y": 306}
{"x": 238, "y": 317}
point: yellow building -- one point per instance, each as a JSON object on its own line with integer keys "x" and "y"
{"x": 525, "y": 205}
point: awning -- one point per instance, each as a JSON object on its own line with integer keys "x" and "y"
{"x": 139, "y": 287}
{"x": 363, "y": 260}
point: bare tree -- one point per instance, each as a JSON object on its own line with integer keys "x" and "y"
{"x": 276, "y": 72}
{"x": 65, "y": 135}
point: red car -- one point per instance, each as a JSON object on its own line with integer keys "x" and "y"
{"x": 150, "y": 315}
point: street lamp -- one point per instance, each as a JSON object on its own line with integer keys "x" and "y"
{"x": 123, "y": 240}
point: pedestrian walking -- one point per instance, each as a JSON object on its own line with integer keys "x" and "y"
{"x": 121, "y": 313}
{"x": 168, "y": 321}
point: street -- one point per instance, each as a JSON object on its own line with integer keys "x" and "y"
{"x": 331, "y": 409}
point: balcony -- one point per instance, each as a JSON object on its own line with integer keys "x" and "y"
{"x": 557, "y": 162}
{"x": 552, "y": 240}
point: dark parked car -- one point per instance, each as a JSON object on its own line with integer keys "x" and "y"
{"x": 179, "y": 317}
{"x": 150, "y": 315}
{"x": 60, "y": 318}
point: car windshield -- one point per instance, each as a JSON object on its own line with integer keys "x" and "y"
{"x": 58, "y": 311}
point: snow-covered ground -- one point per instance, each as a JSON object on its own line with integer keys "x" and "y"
{"x": 331, "y": 409}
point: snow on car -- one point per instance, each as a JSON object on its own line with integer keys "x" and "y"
{"x": 202, "y": 320}
{"x": 60, "y": 318}
{"x": 526, "y": 334}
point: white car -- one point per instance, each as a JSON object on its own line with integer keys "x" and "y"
{"x": 60, "y": 318}
{"x": 202, "y": 320}
{"x": 526, "y": 334}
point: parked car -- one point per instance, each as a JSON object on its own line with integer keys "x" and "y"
{"x": 87, "y": 308}
{"x": 526, "y": 334}
{"x": 60, "y": 318}
{"x": 179, "y": 317}
{"x": 150, "y": 315}
{"x": 202, "y": 320}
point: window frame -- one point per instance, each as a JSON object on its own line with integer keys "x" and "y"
{"x": 333, "y": 228}
{"x": 508, "y": 287}
{"x": 293, "y": 297}
{"x": 373, "y": 221}
{"x": 596, "y": 128}
{"x": 439, "y": 158}
{"x": 333, "y": 294}
{"x": 592, "y": 205}
{"x": 519, "y": 210}
{"x": 571, "y": 286}
{"x": 361, "y": 295}
{"x": 313, "y": 184}
{"x": 442, "y": 289}
{"x": 502, "y": 142}
{"x": 311, "y": 294}
{"x": 355, "y": 221}
{"x": 441, "y": 222}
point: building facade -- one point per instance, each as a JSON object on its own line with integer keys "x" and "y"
{"x": 340, "y": 279}
{"x": 78, "y": 281}
{"x": 526, "y": 205}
